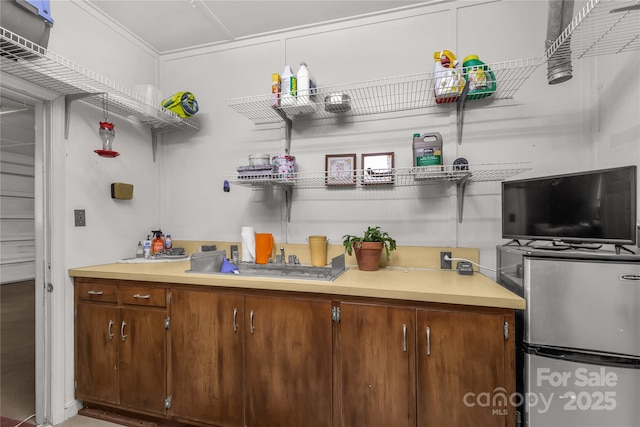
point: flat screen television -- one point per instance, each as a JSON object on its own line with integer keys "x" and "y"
{"x": 587, "y": 207}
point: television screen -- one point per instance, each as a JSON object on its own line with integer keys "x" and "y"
{"x": 591, "y": 207}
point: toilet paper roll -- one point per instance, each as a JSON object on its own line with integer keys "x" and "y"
{"x": 248, "y": 235}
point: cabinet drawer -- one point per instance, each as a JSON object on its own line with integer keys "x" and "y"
{"x": 144, "y": 295}
{"x": 97, "y": 292}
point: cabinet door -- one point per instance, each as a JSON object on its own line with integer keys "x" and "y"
{"x": 375, "y": 366}
{"x": 461, "y": 369}
{"x": 288, "y": 362}
{"x": 142, "y": 358}
{"x": 207, "y": 357}
{"x": 97, "y": 352}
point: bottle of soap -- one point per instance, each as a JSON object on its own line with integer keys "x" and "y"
{"x": 147, "y": 248}
{"x": 306, "y": 85}
{"x": 482, "y": 81}
{"x": 167, "y": 244}
{"x": 140, "y": 251}
{"x": 288, "y": 87}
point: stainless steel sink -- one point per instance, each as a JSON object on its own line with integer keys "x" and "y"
{"x": 285, "y": 271}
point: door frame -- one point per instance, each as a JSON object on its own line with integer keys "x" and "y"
{"x": 49, "y": 202}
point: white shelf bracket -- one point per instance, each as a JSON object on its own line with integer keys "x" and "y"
{"x": 288, "y": 197}
{"x": 460, "y": 187}
{"x": 460, "y": 104}
{"x": 154, "y": 142}
{"x": 288, "y": 124}
{"x": 68, "y": 99}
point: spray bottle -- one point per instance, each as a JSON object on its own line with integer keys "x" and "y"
{"x": 448, "y": 82}
{"x": 157, "y": 246}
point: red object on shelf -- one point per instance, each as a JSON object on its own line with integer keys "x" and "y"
{"x": 107, "y": 153}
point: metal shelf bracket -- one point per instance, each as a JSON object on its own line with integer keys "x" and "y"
{"x": 288, "y": 197}
{"x": 461, "y": 185}
{"x": 68, "y": 99}
{"x": 288, "y": 124}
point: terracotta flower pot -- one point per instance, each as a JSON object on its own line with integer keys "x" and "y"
{"x": 368, "y": 255}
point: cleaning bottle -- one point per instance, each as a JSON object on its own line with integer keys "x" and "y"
{"x": 306, "y": 85}
{"x": 168, "y": 244}
{"x": 288, "y": 87}
{"x": 157, "y": 246}
{"x": 276, "y": 83}
{"x": 448, "y": 83}
{"x": 482, "y": 82}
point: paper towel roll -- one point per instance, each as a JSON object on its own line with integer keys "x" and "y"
{"x": 248, "y": 244}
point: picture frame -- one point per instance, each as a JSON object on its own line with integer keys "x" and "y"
{"x": 378, "y": 168}
{"x": 340, "y": 169}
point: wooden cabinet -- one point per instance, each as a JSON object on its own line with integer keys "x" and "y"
{"x": 465, "y": 368}
{"x": 96, "y": 358}
{"x": 258, "y": 358}
{"x": 121, "y": 345}
{"x": 207, "y": 357}
{"x": 375, "y": 363}
{"x": 288, "y": 367}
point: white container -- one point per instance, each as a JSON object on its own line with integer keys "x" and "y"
{"x": 306, "y": 85}
{"x": 151, "y": 94}
{"x": 259, "y": 159}
{"x": 288, "y": 87}
{"x": 147, "y": 249}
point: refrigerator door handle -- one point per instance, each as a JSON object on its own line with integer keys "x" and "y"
{"x": 581, "y": 356}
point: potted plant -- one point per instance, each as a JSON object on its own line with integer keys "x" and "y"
{"x": 369, "y": 247}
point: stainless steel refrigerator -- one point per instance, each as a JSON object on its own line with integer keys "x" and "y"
{"x": 581, "y": 338}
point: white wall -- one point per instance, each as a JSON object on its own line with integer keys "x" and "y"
{"x": 588, "y": 122}
{"x": 549, "y": 125}
{"x": 113, "y": 227}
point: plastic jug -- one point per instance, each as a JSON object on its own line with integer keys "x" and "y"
{"x": 427, "y": 149}
{"x": 448, "y": 81}
{"x": 482, "y": 81}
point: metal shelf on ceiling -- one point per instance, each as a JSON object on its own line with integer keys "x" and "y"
{"x": 30, "y": 62}
{"x": 394, "y": 177}
{"x": 388, "y": 95}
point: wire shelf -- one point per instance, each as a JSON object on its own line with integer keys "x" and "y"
{"x": 379, "y": 96}
{"x": 28, "y": 61}
{"x": 602, "y": 27}
{"x": 397, "y": 176}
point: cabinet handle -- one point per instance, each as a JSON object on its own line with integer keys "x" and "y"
{"x": 124, "y": 337}
{"x": 95, "y": 292}
{"x": 428, "y": 341}
{"x": 235, "y": 317}
{"x": 251, "y": 328}
{"x": 109, "y": 329}
{"x": 142, "y": 296}
{"x": 404, "y": 337}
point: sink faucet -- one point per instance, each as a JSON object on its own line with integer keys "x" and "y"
{"x": 282, "y": 253}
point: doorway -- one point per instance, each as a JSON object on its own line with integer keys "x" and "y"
{"x": 17, "y": 257}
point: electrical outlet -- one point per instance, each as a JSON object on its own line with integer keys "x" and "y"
{"x": 80, "y": 218}
{"x": 445, "y": 264}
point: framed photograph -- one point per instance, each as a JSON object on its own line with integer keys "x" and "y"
{"x": 340, "y": 169}
{"x": 377, "y": 168}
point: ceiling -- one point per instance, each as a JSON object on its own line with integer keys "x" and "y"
{"x": 170, "y": 25}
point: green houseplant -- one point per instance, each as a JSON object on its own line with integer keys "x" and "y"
{"x": 369, "y": 247}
